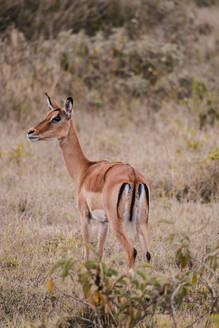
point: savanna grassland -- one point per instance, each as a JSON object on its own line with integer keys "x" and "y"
{"x": 144, "y": 76}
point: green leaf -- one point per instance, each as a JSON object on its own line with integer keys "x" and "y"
{"x": 86, "y": 287}
{"x": 166, "y": 221}
{"x": 68, "y": 265}
{"x": 214, "y": 154}
{"x": 194, "y": 278}
{"x": 171, "y": 237}
{"x": 182, "y": 258}
{"x": 112, "y": 272}
{"x": 121, "y": 281}
{"x": 145, "y": 265}
{"x": 91, "y": 264}
{"x": 57, "y": 265}
{"x": 141, "y": 274}
{"x": 135, "y": 282}
{"x": 185, "y": 260}
{"x": 105, "y": 269}
{"x": 215, "y": 318}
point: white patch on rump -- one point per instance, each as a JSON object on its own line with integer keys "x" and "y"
{"x": 126, "y": 209}
{"x": 139, "y": 205}
{"x": 99, "y": 215}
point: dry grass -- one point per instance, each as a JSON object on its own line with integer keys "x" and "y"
{"x": 39, "y": 223}
{"x": 150, "y": 100}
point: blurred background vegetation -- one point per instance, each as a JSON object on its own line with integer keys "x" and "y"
{"x": 112, "y": 50}
{"x": 144, "y": 75}
{"x": 144, "y": 60}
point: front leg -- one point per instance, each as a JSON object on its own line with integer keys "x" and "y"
{"x": 85, "y": 230}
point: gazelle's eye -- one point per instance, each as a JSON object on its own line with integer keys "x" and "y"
{"x": 57, "y": 118}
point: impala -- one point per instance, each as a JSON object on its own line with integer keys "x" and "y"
{"x": 111, "y": 193}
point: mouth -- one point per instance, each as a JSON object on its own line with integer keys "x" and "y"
{"x": 33, "y": 138}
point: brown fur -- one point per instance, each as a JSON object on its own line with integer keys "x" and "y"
{"x": 98, "y": 185}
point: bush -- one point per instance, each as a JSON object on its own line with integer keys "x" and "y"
{"x": 47, "y": 19}
{"x": 132, "y": 70}
{"x": 125, "y": 300}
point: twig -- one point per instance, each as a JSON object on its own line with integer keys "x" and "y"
{"x": 99, "y": 321}
{"x": 211, "y": 254}
{"x": 213, "y": 293}
{"x": 200, "y": 229}
{"x": 206, "y": 266}
{"x": 85, "y": 303}
{"x": 146, "y": 313}
{"x": 82, "y": 318}
{"x": 75, "y": 298}
{"x": 173, "y": 310}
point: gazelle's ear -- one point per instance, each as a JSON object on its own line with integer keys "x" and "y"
{"x": 51, "y": 104}
{"x": 68, "y": 105}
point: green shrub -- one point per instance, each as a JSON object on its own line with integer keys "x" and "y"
{"x": 205, "y": 3}
{"x": 213, "y": 154}
{"x": 125, "y": 300}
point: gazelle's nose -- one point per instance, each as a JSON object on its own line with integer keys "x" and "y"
{"x": 30, "y": 131}
{"x": 31, "y": 136}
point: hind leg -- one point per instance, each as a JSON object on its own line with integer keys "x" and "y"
{"x": 102, "y": 233}
{"x": 143, "y": 236}
{"x": 117, "y": 222}
{"x": 122, "y": 238}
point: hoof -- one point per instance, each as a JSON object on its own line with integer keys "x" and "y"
{"x": 148, "y": 256}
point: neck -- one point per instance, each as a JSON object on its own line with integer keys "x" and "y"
{"x": 75, "y": 160}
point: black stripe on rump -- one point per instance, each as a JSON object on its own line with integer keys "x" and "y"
{"x": 119, "y": 197}
{"x": 132, "y": 203}
{"x": 147, "y": 194}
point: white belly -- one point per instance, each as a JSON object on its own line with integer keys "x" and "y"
{"x": 99, "y": 215}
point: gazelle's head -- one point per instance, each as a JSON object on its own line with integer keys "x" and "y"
{"x": 56, "y": 123}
